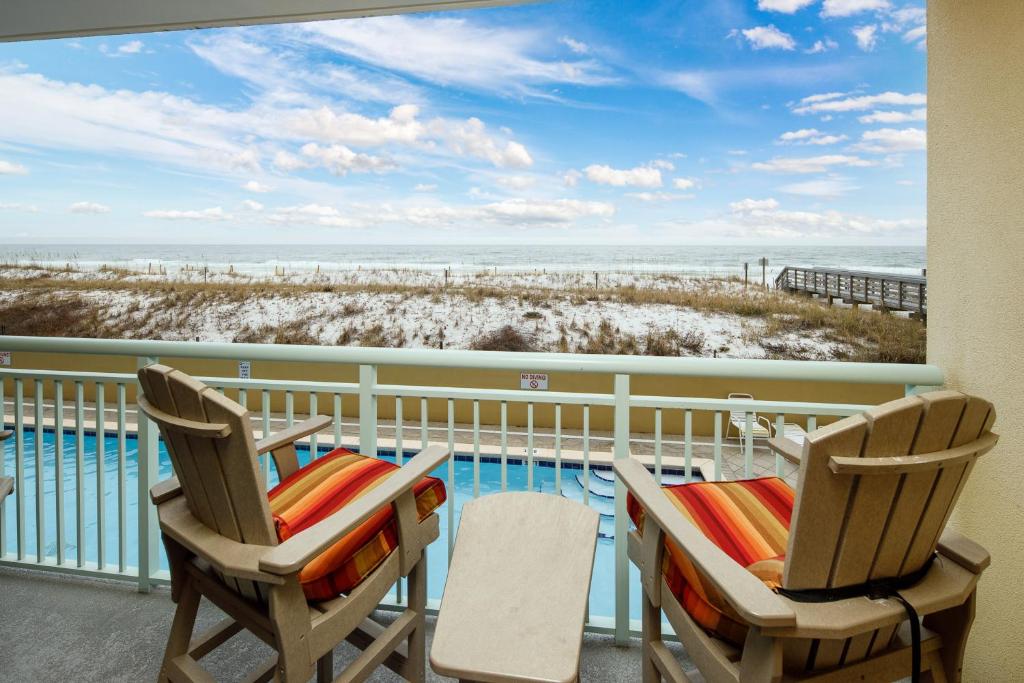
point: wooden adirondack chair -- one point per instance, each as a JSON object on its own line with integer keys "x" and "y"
{"x": 6, "y": 483}
{"x": 221, "y": 544}
{"x": 874, "y": 494}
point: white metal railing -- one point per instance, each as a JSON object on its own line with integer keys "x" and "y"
{"x": 83, "y": 502}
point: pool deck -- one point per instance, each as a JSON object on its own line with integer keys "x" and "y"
{"x": 55, "y": 628}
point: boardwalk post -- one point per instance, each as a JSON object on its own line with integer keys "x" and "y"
{"x": 746, "y": 267}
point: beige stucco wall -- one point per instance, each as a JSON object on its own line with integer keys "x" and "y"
{"x": 975, "y": 256}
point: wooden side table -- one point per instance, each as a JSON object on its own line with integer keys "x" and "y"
{"x": 515, "y": 601}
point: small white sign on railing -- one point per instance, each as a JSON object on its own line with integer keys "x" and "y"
{"x": 5, "y": 358}
{"x": 534, "y": 381}
{"x": 244, "y": 369}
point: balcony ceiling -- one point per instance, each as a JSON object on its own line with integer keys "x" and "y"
{"x": 41, "y": 19}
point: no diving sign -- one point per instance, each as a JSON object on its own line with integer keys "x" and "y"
{"x": 534, "y": 381}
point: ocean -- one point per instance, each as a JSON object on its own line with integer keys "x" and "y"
{"x": 260, "y": 259}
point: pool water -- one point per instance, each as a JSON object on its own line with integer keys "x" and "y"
{"x": 602, "y": 594}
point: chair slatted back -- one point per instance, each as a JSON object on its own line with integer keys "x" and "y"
{"x": 853, "y": 526}
{"x": 219, "y": 476}
{"x": 739, "y": 417}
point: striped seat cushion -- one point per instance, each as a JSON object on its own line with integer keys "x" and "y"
{"x": 749, "y": 520}
{"x": 323, "y": 487}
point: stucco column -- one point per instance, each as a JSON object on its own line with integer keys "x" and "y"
{"x": 975, "y": 306}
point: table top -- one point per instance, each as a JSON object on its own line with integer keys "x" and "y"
{"x": 515, "y": 601}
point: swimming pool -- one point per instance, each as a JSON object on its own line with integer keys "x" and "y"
{"x": 602, "y": 594}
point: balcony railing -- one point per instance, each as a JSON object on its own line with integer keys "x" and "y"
{"x": 80, "y": 512}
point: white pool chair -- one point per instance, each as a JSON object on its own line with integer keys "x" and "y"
{"x": 760, "y": 427}
{"x": 794, "y": 433}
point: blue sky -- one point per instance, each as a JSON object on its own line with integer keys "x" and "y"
{"x": 566, "y": 122}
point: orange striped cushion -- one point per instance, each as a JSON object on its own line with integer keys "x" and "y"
{"x": 323, "y": 487}
{"x": 747, "y": 519}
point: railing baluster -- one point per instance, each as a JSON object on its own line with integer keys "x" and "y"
{"x": 424, "y": 423}
{"x": 558, "y": 449}
{"x": 780, "y": 431}
{"x": 451, "y": 479}
{"x": 476, "y": 449}
{"x": 529, "y": 446}
{"x": 289, "y": 408}
{"x": 40, "y": 434}
{"x": 122, "y": 475}
{"x": 621, "y": 452}
{"x": 243, "y": 398}
{"x": 101, "y": 463}
{"x": 812, "y": 423}
{"x": 58, "y": 466}
{"x": 313, "y": 453}
{"x": 688, "y": 445}
{"x": 19, "y": 461}
{"x": 717, "y": 453}
{"x": 265, "y": 413}
{"x": 586, "y": 455}
{"x": 368, "y": 410}
{"x": 504, "y": 445}
{"x": 3, "y": 472}
{"x": 748, "y": 446}
{"x": 337, "y": 420}
{"x": 399, "y": 450}
{"x": 657, "y": 445}
{"x": 80, "y": 472}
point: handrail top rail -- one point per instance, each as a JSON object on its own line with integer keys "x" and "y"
{"x": 810, "y": 371}
{"x": 876, "y": 275}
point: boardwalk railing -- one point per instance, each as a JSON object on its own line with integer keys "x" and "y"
{"x": 894, "y": 292}
{"x": 81, "y": 468}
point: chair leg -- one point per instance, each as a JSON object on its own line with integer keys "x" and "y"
{"x": 325, "y": 668}
{"x": 651, "y": 620}
{"x": 416, "y": 664}
{"x": 181, "y": 628}
{"x": 762, "y": 658}
{"x": 954, "y": 625}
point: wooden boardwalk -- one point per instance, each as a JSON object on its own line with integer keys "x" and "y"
{"x": 884, "y": 290}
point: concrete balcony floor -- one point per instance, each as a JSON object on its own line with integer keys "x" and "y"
{"x": 60, "y": 628}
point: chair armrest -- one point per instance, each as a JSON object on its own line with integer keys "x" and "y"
{"x": 239, "y": 560}
{"x": 964, "y": 551}
{"x": 788, "y": 449}
{"x": 767, "y": 425}
{"x": 292, "y": 434}
{"x": 754, "y": 601}
{"x": 6, "y": 434}
{"x": 165, "y": 490}
{"x": 297, "y": 551}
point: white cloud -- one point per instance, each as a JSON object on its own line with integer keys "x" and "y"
{"x": 866, "y": 37}
{"x": 886, "y": 140}
{"x": 809, "y": 136}
{"x": 846, "y": 8}
{"x": 822, "y": 46}
{"x": 684, "y": 183}
{"x": 818, "y": 164}
{"x": 88, "y": 207}
{"x": 768, "y": 37}
{"x": 425, "y": 187}
{"x": 571, "y": 178}
{"x": 256, "y": 186}
{"x": 457, "y": 52}
{"x": 894, "y": 116}
{"x": 576, "y": 46}
{"x": 327, "y": 125}
{"x": 838, "y": 102}
{"x": 663, "y": 164}
{"x": 11, "y": 168}
{"x": 516, "y": 211}
{"x": 747, "y": 205}
{"x": 917, "y": 35}
{"x": 251, "y": 205}
{"x": 131, "y": 47}
{"x": 825, "y": 188}
{"x": 784, "y": 6}
{"x": 212, "y": 214}
{"x": 766, "y": 219}
{"x": 339, "y": 159}
{"x": 516, "y": 182}
{"x": 18, "y": 206}
{"x": 314, "y": 214}
{"x": 470, "y": 138}
{"x": 658, "y": 196}
{"x": 641, "y": 176}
